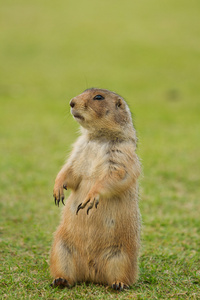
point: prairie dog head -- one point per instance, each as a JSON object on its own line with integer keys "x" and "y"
{"x": 99, "y": 109}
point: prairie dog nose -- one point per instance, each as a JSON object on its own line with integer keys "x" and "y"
{"x": 72, "y": 103}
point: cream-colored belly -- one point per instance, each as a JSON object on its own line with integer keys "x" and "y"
{"x": 114, "y": 217}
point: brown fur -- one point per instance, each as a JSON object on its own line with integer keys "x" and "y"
{"x": 99, "y": 235}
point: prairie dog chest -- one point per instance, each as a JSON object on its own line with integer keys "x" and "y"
{"x": 91, "y": 159}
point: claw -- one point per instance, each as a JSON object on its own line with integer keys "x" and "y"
{"x": 55, "y": 200}
{"x": 92, "y": 203}
{"x": 115, "y": 286}
{"x": 60, "y": 282}
{"x": 96, "y": 203}
{"x": 119, "y": 286}
{"x": 64, "y": 187}
{"x": 81, "y": 206}
{"x": 62, "y": 199}
{"x": 91, "y": 206}
{"x": 78, "y": 208}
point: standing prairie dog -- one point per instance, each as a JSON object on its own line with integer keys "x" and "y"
{"x": 99, "y": 234}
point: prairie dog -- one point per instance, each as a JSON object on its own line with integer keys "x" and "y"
{"x": 99, "y": 235}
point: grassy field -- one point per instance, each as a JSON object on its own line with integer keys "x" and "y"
{"x": 147, "y": 51}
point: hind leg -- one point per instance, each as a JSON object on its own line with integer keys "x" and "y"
{"x": 121, "y": 272}
{"x": 62, "y": 264}
{"x": 118, "y": 270}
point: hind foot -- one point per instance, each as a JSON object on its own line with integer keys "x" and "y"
{"x": 61, "y": 282}
{"x": 120, "y": 286}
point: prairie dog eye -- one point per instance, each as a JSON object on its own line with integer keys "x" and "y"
{"x": 98, "y": 97}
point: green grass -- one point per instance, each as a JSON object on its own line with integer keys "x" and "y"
{"x": 147, "y": 51}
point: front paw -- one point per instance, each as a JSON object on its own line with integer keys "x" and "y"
{"x": 58, "y": 193}
{"x": 92, "y": 200}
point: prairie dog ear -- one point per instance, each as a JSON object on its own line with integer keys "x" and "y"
{"x": 119, "y": 103}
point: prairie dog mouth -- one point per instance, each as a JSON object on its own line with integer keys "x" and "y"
{"x": 77, "y": 116}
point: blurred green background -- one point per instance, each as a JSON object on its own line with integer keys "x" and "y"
{"x": 50, "y": 51}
